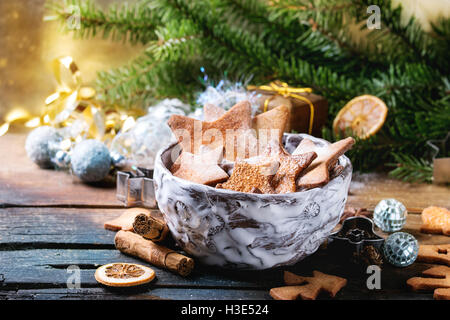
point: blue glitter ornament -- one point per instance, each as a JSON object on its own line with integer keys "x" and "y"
{"x": 61, "y": 159}
{"x": 41, "y": 145}
{"x": 90, "y": 160}
{"x": 390, "y": 215}
{"x": 400, "y": 249}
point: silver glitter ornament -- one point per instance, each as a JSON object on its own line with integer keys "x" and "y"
{"x": 42, "y": 144}
{"x": 400, "y": 249}
{"x": 390, "y": 215}
{"x": 150, "y": 133}
{"x": 118, "y": 160}
{"x": 91, "y": 160}
{"x": 61, "y": 159}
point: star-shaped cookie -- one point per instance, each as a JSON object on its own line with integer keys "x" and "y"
{"x": 308, "y": 288}
{"x": 318, "y": 172}
{"x": 271, "y": 124}
{"x": 436, "y": 278}
{"x": 231, "y": 131}
{"x": 211, "y": 112}
{"x": 200, "y": 168}
{"x": 268, "y": 125}
{"x": 251, "y": 177}
{"x": 290, "y": 167}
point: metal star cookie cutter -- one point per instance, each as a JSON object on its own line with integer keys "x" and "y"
{"x": 136, "y": 188}
{"x": 355, "y": 233}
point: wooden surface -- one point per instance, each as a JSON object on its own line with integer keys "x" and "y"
{"x": 49, "y": 221}
{"x": 23, "y": 184}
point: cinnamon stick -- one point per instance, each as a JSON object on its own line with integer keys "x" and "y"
{"x": 125, "y": 220}
{"x": 150, "y": 227}
{"x": 135, "y": 245}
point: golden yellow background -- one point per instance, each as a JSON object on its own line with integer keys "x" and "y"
{"x": 28, "y": 45}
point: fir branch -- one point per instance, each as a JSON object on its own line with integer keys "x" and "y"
{"x": 421, "y": 44}
{"x": 332, "y": 20}
{"x": 127, "y": 84}
{"x": 293, "y": 69}
{"x": 407, "y": 68}
{"x": 135, "y": 24}
{"x": 411, "y": 169}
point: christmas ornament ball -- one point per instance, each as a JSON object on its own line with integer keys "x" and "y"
{"x": 90, "y": 160}
{"x": 400, "y": 249}
{"x": 117, "y": 159}
{"x": 390, "y": 215}
{"x": 61, "y": 159}
{"x": 41, "y": 144}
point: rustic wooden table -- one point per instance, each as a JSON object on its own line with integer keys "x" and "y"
{"x": 49, "y": 222}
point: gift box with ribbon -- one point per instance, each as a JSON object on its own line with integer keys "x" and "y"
{"x": 308, "y": 111}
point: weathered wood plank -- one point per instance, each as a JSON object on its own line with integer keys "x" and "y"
{"x": 48, "y": 266}
{"x": 23, "y": 184}
{"x": 412, "y": 226}
{"x": 40, "y": 269}
{"x": 187, "y": 294}
{"x": 393, "y": 286}
{"x": 134, "y": 294}
{"x": 57, "y": 228}
{"x": 56, "y": 225}
{"x": 366, "y": 190}
{"x": 48, "y": 227}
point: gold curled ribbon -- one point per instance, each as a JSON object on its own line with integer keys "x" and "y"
{"x": 18, "y": 115}
{"x": 283, "y": 89}
{"x": 73, "y": 104}
{"x": 66, "y": 74}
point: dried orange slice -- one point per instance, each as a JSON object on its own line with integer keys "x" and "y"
{"x": 122, "y": 274}
{"x": 364, "y": 115}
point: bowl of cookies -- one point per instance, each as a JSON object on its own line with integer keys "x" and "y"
{"x": 256, "y": 200}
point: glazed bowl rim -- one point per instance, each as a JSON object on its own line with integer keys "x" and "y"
{"x": 343, "y": 160}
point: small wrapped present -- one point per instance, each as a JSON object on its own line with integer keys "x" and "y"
{"x": 308, "y": 111}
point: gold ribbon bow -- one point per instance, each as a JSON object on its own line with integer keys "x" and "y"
{"x": 73, "y": 103}
{"x": 283, "y": 89}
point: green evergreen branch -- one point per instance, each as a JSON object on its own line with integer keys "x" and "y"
{"x": 411, "y": 169}
{"x": 423, "y": 45}
{"x": 123, "y": 22}
{"x": 303, "y": 42}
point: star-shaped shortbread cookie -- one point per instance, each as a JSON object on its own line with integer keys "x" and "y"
{"x": 231, "y": 131}
{"x": 200, "y": 168}
{"x": 318, "y": 172}
{"x": 268, "y": 125}
{"x": 290, "y": 166}
{"x": 251, "y": 177}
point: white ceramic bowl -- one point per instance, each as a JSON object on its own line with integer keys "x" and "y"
{"x": 246, "y": 230}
